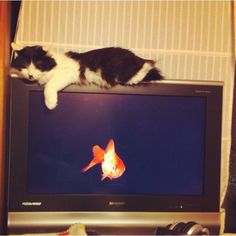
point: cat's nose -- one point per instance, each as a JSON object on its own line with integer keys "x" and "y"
{"x": 31, "y": 77}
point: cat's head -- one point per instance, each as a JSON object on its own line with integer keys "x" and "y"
{"x": 31, "y": 62}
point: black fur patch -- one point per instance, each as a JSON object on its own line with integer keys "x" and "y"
{"x": 35, "y": 55}
{"x": 115, "y": 64}
{"x": 153, "y": 74}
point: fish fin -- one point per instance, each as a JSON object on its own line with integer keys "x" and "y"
{"x": 91, "y": 164}
{"x": 120, "y": 163}
{"x": 103, "y": 177}
{"x": 110, "y": 146}
{"x": 98, "y": 153}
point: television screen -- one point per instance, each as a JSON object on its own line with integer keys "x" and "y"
{"x": 160, "y": 140}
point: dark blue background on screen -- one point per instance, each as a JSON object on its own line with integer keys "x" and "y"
{"x": 159, "y": 138}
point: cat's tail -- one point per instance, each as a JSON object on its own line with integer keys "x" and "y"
{"x": 153, "y": 74}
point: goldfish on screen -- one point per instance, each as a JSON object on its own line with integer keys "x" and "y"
{"x": 112, "y": 166}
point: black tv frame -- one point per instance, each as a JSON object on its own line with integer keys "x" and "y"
{"x": 21, "y": 201}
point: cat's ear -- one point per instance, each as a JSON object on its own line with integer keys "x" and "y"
{"x": 45, "y": 48}
{"x": 16, "y": 47}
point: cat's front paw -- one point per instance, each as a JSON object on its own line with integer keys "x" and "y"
{"x": 51, "y": 101}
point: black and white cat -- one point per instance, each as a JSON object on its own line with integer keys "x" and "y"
{"x": 105, "y": 67}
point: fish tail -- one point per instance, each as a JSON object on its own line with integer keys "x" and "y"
{"x": 91, "y": 164}
{"x": 98, "y": 154}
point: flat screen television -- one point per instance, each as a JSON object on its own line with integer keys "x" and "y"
{"x": 167, "y": 135}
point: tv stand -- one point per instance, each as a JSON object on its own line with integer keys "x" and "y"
{"x": 142, "y": 223}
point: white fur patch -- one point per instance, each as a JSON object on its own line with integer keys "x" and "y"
{"x": 66, "y": 72}
{"x": 140, "y": 74}
{"x": 16, "y": 47}
{"x": 95, "y": 78}
{"x": 30, "y": 72}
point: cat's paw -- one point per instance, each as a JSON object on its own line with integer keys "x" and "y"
{"x": 51, "y": 101}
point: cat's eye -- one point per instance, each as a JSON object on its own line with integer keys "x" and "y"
{"x": 20, "y": 63}
{"x": 39, "y": 65}
{"x": 22, "y": 66}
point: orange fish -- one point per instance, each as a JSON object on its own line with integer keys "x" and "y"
{"x": 112, "y": 166}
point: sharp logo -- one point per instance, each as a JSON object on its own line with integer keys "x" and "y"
{"x": 203, "y": 91}
{"x": 117, "y": 203}
{"x": 31, "y": 203}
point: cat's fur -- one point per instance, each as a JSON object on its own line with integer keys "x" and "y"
{"x": 104, "y": 67}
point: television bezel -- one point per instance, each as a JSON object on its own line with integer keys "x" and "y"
{"x": 19, "y": 200}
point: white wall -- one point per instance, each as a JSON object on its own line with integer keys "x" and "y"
{"x": 190, "y": 39}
